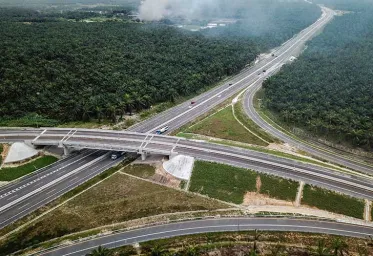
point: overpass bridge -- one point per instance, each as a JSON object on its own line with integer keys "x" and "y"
{"x": 145, "y": 143}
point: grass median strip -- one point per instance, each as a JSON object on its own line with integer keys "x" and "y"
{"x": 250, "y": 124}
{"x": 333, "y": 201}
{"x": 223, "y": 125}
{"x": 12, "y": 173}
{"x": 230, "y": 184}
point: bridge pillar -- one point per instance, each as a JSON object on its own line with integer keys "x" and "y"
{"x": 67, "y": 151}
{"x": 173, "y": 154}
{"x": 143, "y": 156}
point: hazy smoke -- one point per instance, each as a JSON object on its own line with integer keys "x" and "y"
{"x": 157, "y": 9}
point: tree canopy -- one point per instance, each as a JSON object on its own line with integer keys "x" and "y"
{"x": 66, "y": 71}
{"x": 329, "y": 89}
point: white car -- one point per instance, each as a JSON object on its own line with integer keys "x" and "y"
{"x": 163, "y": 130}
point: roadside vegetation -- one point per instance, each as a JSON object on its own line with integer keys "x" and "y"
{"x": 252, "y": 243}
{"x": 332, "y": 201}
{"x": 1, "y": 151}
{"x": 140, "y": 170}
{"x": 117, "y": 199}
{"x": 223, "y": 125}
{"x": 327, "y": 91}
{"x": 230, "y": 184}
{"x": 119, "y": 68}
{"x": 12, "y": 173}
{"x": 251, "y": 125}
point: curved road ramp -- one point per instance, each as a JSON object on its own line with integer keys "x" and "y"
{"x": 180, "y": 166}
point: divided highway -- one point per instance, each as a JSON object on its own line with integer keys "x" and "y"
{"x": 24, "y": 196}
{"x": 211, "y": 225}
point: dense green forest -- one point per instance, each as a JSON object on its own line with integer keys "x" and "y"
{"x": 55, "y": 70}
{"x": 329, "y": 89}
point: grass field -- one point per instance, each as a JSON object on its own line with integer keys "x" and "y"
{"x": 240, "y": 114}
{"x": 223, "y": 125}
{"x": 117, "y": 199}
{"x": 140, "y": 170}
{"x": 230, "y": 184}
{"x": 278, "y": 188}
{"x": 12, "y": 173}
{"x": 332, "y": 201}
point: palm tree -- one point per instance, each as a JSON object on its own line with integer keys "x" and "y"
{"x": 191, "y": 251}
{"x": 362, "y": 251}
{"x": 322, "y": 250}
{"x": 128, "y": 102}
{"x": 277, "y": 250}
{"x": 100, "y": 251}
{"x": 157, "y": 251}
{"x": 257, "y": 235}
{"x": 339, "y": 247}
{"x": 111, "y": 112}
{"x": 98, "y": 113}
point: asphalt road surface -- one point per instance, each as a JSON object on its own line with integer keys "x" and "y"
{"x": 34, "y": 191}
{"x": 211, "y": 225}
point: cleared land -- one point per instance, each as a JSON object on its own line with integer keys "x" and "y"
{"x": 117, "y": 199}
{"x": 12, "y": 173}
{"x": 231, "y": 183}
{"x": 223, "y": 125}
{"x": 332, "y": 201}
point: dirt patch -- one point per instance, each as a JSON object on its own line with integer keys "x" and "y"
{"x": 254, "y": 198}
{"x": 6, "y": 148}
{"x": 286, "y": 148}
{"x": 258, "y": 184}
{"x": 164, "y": 178}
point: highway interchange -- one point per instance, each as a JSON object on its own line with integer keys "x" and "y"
{"x": 29, "y": 193}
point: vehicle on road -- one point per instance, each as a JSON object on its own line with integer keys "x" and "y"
{"x": 117, "y": 154}
{"x": 230, "y": 84}
{"x": 163, "y": 130}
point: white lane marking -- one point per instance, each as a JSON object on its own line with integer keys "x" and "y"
{"x": 254, "y": 72}
{"x": 50, "y": 191}
{"x": 52, "y": 183}
{"x": 12, "y": 197}
{"x": 23, "y": 206}
{"x": 43, "y": 176}
{"x": 251, "y": 226}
